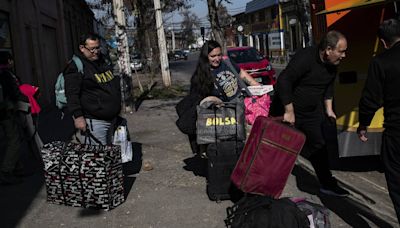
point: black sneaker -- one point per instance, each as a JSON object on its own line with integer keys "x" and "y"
{"x": 334, "y": 190}
{"x": 7, "y": 178}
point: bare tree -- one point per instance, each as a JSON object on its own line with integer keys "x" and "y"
{"x": 189, "y": 23}
{"x": 304, "y": 16}
{"x": 216, "y": 29}
{"x": 216, "y": 12}
{"x": 225, "y": 20}
{"x": 146, "y": 25}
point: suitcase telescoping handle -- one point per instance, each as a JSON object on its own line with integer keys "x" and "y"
{"x": 231, "y": 105}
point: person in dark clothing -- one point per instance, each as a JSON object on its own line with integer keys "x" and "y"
{"x": 382, "y": 89}
{"x": 305, "y": 88}
{"x": 212, "y": 80}
{"x": 9, "y": 97}
{"x": 94, "y": 98}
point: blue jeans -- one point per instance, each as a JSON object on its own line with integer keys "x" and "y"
{"x": 99, "y": 129}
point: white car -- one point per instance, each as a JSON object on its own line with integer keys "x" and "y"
{"x": 136, "y": 64}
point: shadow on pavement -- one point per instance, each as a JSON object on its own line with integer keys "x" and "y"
{"x": 356, "y": 164}
{"x": 135, "y": 165}
{"x": 89, "y": 212}
{"x": 197, "y": 165}
{"x": 349, "y": 210}
{"x": 16, "y": 199}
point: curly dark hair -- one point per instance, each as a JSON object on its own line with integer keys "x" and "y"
{"x": 202, "y": 81}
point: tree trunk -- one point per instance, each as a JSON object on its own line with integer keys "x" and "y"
{"x": 123, "y": 49}
{"x": 218, "y": 34}
{"x": 304, "y": 15}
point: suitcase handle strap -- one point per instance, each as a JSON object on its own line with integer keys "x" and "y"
{"x": 81, "y": 182}
{"x": 88, "y": 135}
{"x": 215, "y": 127}
{"x": 59, "y": 173}
{"x": 62, "y": 180}
{"x": 236, "y": 210}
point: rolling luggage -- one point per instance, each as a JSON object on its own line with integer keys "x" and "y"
{"x": 222, "y": 158}
{"x": 267, "y": 158}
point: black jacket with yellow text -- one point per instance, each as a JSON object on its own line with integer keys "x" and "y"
{"x": 96, "y": 94}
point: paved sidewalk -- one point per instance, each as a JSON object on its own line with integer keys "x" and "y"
{"x": 173, "y": 193}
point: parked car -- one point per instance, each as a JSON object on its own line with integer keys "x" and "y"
{"x": 249, "y": 59}
{"x": 177, "y": 55}
{"x": 136, "y": 62}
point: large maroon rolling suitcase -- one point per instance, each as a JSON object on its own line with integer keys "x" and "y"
{"x": 268, "y": 157}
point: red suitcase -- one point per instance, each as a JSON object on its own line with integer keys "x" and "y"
{"x": 268, "y": 157}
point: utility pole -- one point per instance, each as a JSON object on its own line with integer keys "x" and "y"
{"x": 162, "y": 45}
{"x": 171, "y": 29}
{"x": 123, "y": 48}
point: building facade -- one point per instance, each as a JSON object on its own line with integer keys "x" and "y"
{"x": 277, "y": 28}
{"x": 42, "y": 35}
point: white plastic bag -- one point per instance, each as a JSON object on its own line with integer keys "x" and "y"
{"x": 121, "y": 139}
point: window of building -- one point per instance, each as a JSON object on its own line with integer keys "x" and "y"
{"x": 252, "y": 18}
{"x": 5, "y": 34}
{"x": 274, "y": 12}
{"x": 261, "y": 16}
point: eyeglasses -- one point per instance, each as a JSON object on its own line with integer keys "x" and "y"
{"x": 93, "y": 49}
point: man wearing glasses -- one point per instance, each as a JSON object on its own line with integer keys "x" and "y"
{"x": 94, "y": 97}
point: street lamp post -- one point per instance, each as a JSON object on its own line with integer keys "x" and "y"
{"x": 173, "y": 39}
{"x": 240, "y": 30}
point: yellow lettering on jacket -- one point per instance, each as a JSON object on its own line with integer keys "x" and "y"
{"x": 220, "y": 121}
{"x": 104, "y": 77}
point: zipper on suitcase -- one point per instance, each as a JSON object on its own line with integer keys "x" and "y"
{"x": 276, "y": 145}
{"x": 251, "y": 162}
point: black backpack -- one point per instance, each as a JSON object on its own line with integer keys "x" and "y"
{"x": 265, "y": 212}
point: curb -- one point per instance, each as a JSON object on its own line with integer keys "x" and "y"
{"x": 366, "y": 199}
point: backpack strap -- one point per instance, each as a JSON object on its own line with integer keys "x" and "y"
{"x": 78, "y": 63}
{"x": 241, "y": 83}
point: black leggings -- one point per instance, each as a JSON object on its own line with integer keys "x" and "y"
{"x": 315, "y": 149}
{"x": 391, "y": 161}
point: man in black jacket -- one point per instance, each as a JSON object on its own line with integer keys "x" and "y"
{"x": 305, "y": 88}
{"x": 93, "y": 98}
{"x": 382, "y": 89}
{"x": 9, "y": 97}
